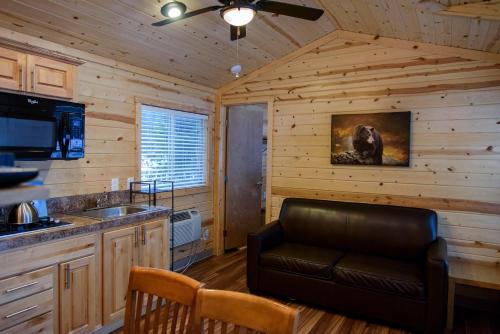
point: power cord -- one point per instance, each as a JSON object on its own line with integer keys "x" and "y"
{"x": 193, "y": 252}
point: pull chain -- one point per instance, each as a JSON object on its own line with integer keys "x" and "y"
{"x": 237, "y": 46}
{"x": 236, "y": 68}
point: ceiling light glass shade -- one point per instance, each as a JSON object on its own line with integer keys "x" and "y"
{"x": 238, "y": 16}
{"x": 174, "y": 12}
{"x": 236, "y": 70}
{"x": 173, "y": 9}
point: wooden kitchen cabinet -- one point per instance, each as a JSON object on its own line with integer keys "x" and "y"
{"x": 75, "y": 284}
{"x": 24, "y": 309}
{"x": 120, "y": 253}
{"x": 143, "y": 245}
{"x": 33, "y": 296}
{"x": 36, "y": 74}
{"x": 50, "y": 77}
{"x": 154, "y": 245}
{"x": 77, "y": 295}
{"x": 12, "y": 69}
{"x": 42, "y": 324}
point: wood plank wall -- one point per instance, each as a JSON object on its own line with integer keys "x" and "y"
{"x": 455, "y": 139}
{"x": 110, "y": 91}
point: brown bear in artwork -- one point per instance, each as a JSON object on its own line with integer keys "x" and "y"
{"x": 368, "y": 143}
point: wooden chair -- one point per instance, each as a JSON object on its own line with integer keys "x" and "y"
{"x": 223, "y": 312}
{"x": 166, "y": 299}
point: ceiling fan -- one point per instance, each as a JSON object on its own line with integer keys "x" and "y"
{"x": 238, "y": 13}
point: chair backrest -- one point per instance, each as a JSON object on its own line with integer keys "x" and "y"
{"x": 160, "y": 301}
{"x": 391, "y": 231}
{"x": 226, "y": 312}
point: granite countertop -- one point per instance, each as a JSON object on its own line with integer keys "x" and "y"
{"x": 79, "y": 225}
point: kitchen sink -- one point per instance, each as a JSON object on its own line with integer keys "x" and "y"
{"x": 117, "y": 211}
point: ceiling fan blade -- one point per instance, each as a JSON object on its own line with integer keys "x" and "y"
{"x": 186, "y": 15}
{"x": 281, "y": 8}
{"x": 234, "y": 32}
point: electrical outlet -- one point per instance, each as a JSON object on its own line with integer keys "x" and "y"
{"x": 115, "y": 184}
{"x": 205, "y": 234}
{"x": 129, "y": 179}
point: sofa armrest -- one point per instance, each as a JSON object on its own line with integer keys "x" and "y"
{"x": 436, "y": 268}
{"x": 267, "y": 237}
{"x": 437, "y": 252}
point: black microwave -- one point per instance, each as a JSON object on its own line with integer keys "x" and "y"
{"x": 35, "y": 128}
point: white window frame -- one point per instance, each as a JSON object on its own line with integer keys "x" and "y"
{"x": 171, "y": 110}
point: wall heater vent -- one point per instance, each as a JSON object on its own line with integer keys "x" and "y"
{"x": 187, "y": 227}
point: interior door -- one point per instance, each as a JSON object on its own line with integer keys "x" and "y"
{"x": 243, "y": 173}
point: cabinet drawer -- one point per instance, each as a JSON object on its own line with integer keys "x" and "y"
{"x": 31, "y": 258}
{"x": 23, "y": 309}
{"x": 42, "y": 324}
{"x": 26, "y": 284}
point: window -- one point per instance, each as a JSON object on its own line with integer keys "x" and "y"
{"x": 173, "y": 147}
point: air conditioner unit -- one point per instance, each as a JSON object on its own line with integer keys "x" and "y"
{"x": 187, "y": 227}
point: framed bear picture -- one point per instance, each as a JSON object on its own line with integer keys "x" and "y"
{"x": 371, "y": 139}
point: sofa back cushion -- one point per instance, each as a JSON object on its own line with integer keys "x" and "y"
{"x": 391, "y": 231}
{"x": 314, "y": 223}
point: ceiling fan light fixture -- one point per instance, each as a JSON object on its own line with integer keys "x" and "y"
{"x": 236, "y": 70}
{"x": 173, "y": 9}
{"x": 238, "y": 16}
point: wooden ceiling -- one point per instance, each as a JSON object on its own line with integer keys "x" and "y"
{"x": 406, "y": 19}
{"x": 198, "y": 49}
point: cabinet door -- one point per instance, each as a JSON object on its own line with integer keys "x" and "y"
{"x": 154, "y": 245}
{"x": 120, "y": 253}
{"x": 77, "y": 293}
{"x": 12, "y": 65}
{"x": 50, "y": 77}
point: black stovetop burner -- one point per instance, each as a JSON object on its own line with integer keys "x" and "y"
{"x": 43, "y": 223}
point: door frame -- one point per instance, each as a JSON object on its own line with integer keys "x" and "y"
{"x": 220, "y": 134}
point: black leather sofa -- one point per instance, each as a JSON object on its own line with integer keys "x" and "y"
{"x": 378, "y": 261}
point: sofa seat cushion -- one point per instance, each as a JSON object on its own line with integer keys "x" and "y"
{"x": 377, "y": 273}
{"x": 301, "y": 259}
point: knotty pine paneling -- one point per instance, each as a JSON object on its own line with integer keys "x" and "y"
{"x": 193, "y": 50}
{"x": 455, "y": 134}
{"x": 110, "y": 94}
{"x": 403, "y": 19}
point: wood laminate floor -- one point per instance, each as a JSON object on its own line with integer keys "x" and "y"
{"x": 228, "y": 272}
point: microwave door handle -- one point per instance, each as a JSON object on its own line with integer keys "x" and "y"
{"x": 65, "y": 130}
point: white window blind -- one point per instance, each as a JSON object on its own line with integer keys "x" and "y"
{"x": 173, "y": 147}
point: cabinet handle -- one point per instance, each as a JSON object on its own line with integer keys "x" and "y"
{"x": 143, "y": 234}
{"x": 136, "y": 237}
{"x": 21, "y": 312}
{"x": 67, "y": 281}
{"x": 27, "y": 285}
{"x": 21, "y": 77}
{"x": 33, "y": 79}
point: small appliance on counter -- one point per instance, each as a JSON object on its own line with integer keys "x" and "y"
{"x": 23, "y": 214}
{"x": 27, "y": 217}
